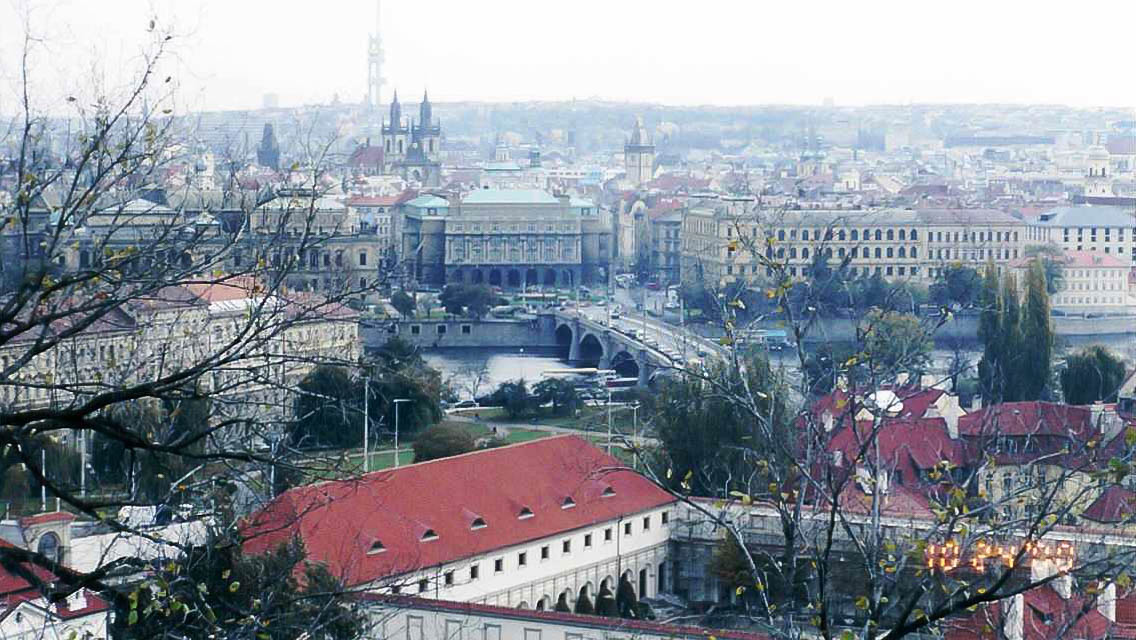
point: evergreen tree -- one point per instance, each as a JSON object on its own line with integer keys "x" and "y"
{"x": 990, "y": 331}
{"x": 1010, "y": 340}
{"x": 584, "y": 605}
{"x": 1091, "y": 376}
{"x": 1017, "y": 341}
{"x": 605, "y": 603}
{"x": 625, "y": 601}
{"x": 1036, "y": 335}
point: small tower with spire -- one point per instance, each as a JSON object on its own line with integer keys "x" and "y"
{"x": 396, "y": 134}
{"x": 268, "y": 153}
{"x": 639, "y": 155}
{"x": 428, "y": 132}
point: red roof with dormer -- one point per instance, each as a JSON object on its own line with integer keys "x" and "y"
{"x": 15, "y": 590}
{"x": 1045, "y": 616}
{"x": 423, "y": 515}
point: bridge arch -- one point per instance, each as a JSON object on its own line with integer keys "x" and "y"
{"x": 625, "y": 364}
{"x": 591, "y": 348}
{"x": 564, "y": 339}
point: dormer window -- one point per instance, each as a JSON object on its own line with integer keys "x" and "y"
{"x": 568, "y": 503}
{"x": 478, "y": 523}
{"x": 376, "y": 547}
{"x": 525, "y": 513}
{"x": 608, "y": 492}
{"x": 429, "y": 535}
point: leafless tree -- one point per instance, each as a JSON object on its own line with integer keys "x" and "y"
{"x": 172, "y": 327}
{"x": 840, "y": 515}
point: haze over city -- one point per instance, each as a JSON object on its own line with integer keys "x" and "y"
{"x": 671, "y": 52}
{"x": 620, "y": 320}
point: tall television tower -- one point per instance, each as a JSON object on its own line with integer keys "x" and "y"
{"x": 375, "y": 61}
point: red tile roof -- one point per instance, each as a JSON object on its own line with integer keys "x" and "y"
{"x": 340, "y": 521}
{"x": 1115, "y": 504}
{"x": 15, "y": 589}
{"x": 373, "y": 201}
{"x": 1046, "y": 616}
{"x": 41, "y": 518}
{"x": 367, "y": 156}
{"x": 623, "y": 625}
{"x": 1027, "y": 418}
{"x": 1082, "y": 259}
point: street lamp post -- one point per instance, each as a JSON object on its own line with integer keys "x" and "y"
{"x": 609, "y": 421}
{"x": 366, "y": 423}
{"x": 635, "y": 433}
{"x": 397, "y": 401}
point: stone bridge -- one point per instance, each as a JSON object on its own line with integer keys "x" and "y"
{"x": 591, "y": 341}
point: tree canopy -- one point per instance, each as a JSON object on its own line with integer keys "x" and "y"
{"x": 1091, "y": 375}
{"x": 442, "y": 441}
{"x": 404, "y": 303}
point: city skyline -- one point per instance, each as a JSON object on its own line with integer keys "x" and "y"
{"x": 230, "y": 57}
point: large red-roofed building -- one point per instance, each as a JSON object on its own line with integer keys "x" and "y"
{"x": 515, "y": 526}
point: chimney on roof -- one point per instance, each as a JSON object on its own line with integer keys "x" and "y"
{"x": 1106, "y": 419}
{"x": 1012, "y": 617}
{"x": 1042, "y": 569}
{"x": 1106, "y": 602}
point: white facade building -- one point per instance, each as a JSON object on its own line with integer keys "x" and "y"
{"x": 1097, "y": 229}
{"x": 523, "y": 526}
{"x": 416, "y": 619}
{"x": 1090, "y": 283}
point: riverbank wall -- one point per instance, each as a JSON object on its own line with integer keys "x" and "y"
{"x": 538, "y": 332}
{"x": 965, "y": 328}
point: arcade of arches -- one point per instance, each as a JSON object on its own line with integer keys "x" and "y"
{"x": 647, "y": 572}
{"x": 515, "y": 277}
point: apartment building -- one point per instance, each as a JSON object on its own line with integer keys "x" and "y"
{"x": 723, "y": 246}
{"x": 1092, "y": 228}
{"x": 175, "y": 328}
{"x": 1090, "y": 282}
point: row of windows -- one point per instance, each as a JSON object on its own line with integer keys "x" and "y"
{"x": 1062, "y": 300}
{"x": 1081, "y": 247}
{"x": 1096, "y": 286}
{"x": 840, "y": 234}
{"x": 441, "y": 329}
{"x": 450, "y": 577}
{"x": 852, "y": 271}
{"x": 890, "y": 252}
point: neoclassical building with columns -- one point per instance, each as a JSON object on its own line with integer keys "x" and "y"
{"x": 513, "y": 238}
{"x": 523, "y": 526}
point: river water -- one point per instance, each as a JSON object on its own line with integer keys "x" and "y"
{"x": 477, "y": 371}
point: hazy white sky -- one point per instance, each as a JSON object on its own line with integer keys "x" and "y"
{"x": 670, "y": 51}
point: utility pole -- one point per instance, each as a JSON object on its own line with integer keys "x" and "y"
{"x": 609, "y": 421}
{"x": 43, "y": 485}
{"x": 635, "y": 432}
{"x": 82, "y": 464}
{"x": 397, "y": 401}
{"x": 367, "y": 424}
